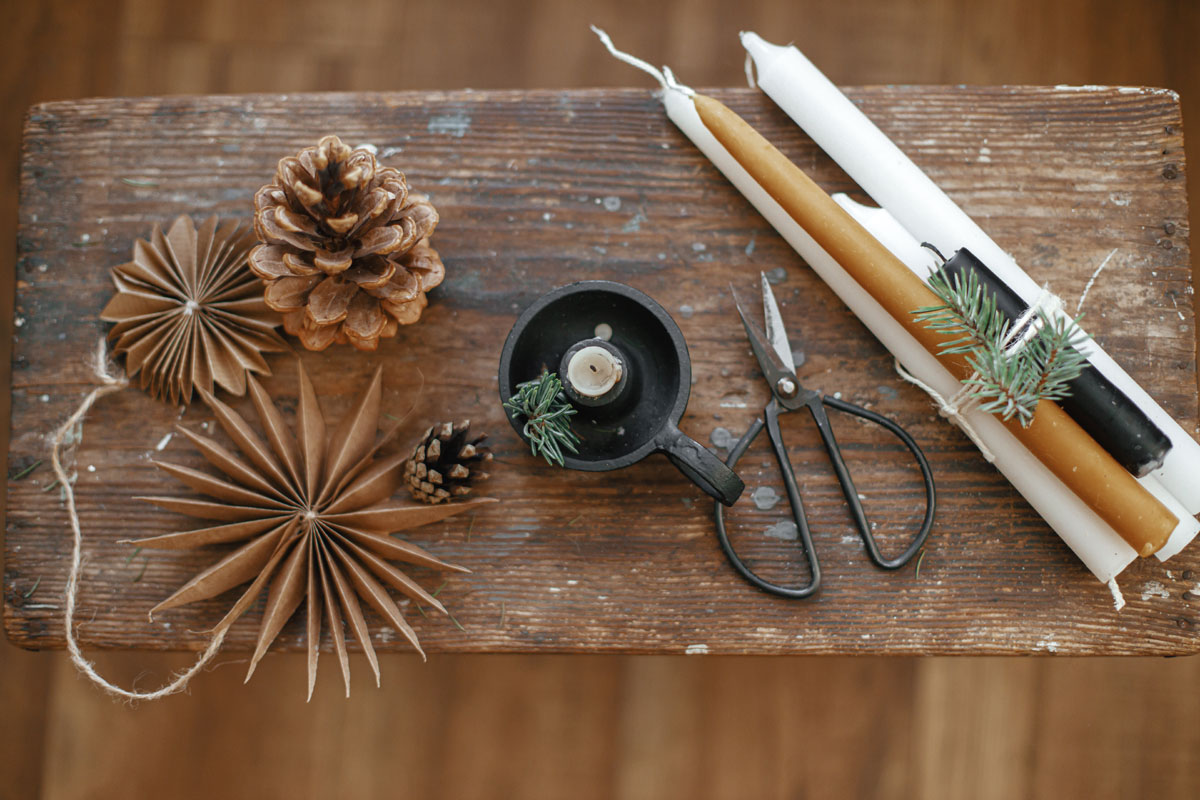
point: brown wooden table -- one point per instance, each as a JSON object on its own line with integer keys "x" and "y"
{"x": 537, "y": 189}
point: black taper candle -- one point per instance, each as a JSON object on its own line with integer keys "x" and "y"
{"x": 1112, "y": 419}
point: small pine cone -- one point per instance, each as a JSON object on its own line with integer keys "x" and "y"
{"x": 345, "y": 252}
{"x": 446, "y": 463}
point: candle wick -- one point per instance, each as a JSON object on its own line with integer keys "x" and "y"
{"x": 664, "y": 77}
{"x": 676, "y": 85}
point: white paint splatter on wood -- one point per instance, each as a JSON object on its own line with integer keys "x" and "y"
{"x": 1154, "y": 589}
{"x": 455, "y": 125}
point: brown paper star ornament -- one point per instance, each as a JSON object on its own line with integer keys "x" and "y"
{"x": 310, "y": 514}
{"x": 189, "y": 313}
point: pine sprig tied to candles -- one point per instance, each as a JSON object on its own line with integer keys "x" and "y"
{"x": 547, "y": 414}
{"x": 1012, "y": 370}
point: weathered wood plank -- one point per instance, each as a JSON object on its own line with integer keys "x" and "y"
{"x": 540, "y": 188}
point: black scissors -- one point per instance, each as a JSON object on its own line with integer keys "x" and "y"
{"x": 774, "y": 356}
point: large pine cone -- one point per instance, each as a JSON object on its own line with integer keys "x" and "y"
{"x": 345, "y": 248}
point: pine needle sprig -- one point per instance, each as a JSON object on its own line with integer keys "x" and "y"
{"x": 547, "y": 414}
{"x": 967, "y": 311}
{"x": 1056, "y": 350}
{"x": 1006, "y": 382}
{"x": 1002, "y": 386}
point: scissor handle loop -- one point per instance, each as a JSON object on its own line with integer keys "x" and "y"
{"x": 771, "y": 415}
{"x": 851, "y": 493}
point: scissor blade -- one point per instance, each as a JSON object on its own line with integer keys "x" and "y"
{"x": 769, "y": 362}
{"x": 776, "y": 334}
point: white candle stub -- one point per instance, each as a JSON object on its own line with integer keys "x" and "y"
{"x": 594, "y": 371}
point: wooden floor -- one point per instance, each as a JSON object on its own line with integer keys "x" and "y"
{"x": 592, "y": 727}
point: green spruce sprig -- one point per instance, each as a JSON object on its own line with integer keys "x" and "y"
{"x": 1007, "y": 383}
{"x": 548, "y": 416}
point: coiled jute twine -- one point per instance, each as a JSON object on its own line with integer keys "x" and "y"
{"x": 111, "y": 380}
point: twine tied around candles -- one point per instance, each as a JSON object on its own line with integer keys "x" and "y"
{"x": 111, "y": 380}
{"x": 956, "y": 407}
{"x": 1047, "y": 305}
{"x": 953, "y": 408}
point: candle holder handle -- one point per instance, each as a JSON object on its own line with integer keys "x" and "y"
{"x": 700, "y": 466}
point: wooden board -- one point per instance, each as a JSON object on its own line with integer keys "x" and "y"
{"x": 537, "y": 189}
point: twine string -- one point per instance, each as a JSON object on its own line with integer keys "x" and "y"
{"x": 111, "y": 380}
{"x": 1046, "y": 305}
{"x": 953, "y": 408}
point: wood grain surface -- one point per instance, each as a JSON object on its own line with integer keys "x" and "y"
{"x": 537, "y": 189}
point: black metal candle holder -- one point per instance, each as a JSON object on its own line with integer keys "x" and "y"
{"x": 640, "y": 413}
